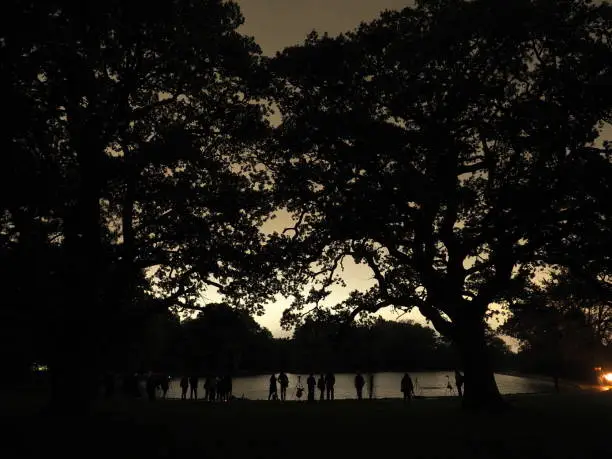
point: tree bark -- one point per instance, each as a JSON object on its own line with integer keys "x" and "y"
{"x": 130, "y": 271}
{"x": 480, "y": 390}
{"x": 75, "y": 367}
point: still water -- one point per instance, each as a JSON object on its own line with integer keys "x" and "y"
{"x": 386, "y": 385}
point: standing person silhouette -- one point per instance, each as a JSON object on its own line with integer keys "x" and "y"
{"x": 229, "y": 386}
{"x": 272, "y": 393}
{"x": 193, "y": 387}
{"x": 359, "y": 383}
{"x": 459, "y": 382}
{"x": 151, "y": 385}
{"x": 165, "y": 385}
{"x": 283, "y": 381}
{"x": 371, "y": 386}
{"x": 311, "y": 383}
{"x": 330, "y": 382}
{"x": 207, "y": 385}
{"x": 407, "y": 387}
{"x": 212, "y": 389}
{"x": 449, "y": 386}
{"x": 184, "y": 387}
{"x": 321, "y": 386}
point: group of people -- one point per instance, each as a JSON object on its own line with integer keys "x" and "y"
{"x": 138, "y": 384}
{"x": 220, "y": 388}
{"x": 360, "y": 384}
{"x": 325, "y": 384}
{"x": 283, "y": 381}
{"x": 215, "y": 388}
{"x": 407, "y": 386}
{"x": 157, "y": 382}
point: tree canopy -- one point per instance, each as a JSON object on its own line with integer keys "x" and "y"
{"x": 129, "y": 142}
{"x": 450, "y": 147}
{"x": 563, "y": 326}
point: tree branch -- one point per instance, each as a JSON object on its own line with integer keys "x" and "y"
{"x": 469, "y": 168}
{"x": 296, "y": 228}
{"x": 364, "y": 308}
{"x": 478, "y": 267}
{"x": 220, "y": 287}
{"x": 440, "y": 323}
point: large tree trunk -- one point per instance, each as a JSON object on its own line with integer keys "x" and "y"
{"x": 480, "y": 391}
{"x": 79, "y": 334}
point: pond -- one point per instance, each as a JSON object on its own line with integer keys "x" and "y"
{"x": 386, "y": 385}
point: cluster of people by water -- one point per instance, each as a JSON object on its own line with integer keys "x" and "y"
{"x": 219, "y": 388}
{"x": 215, "y": 388}
{"x": 138, "y": 384}
{"x": 325, "y": 383}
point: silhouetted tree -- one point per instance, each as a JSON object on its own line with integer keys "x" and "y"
{"x": 314, "y": 343}
{"x": 446, "y": 146}
{"x": 567, "y": 292}
{"x": 562, "y": 333}
{"x": 30, "y": 268}
{"x": 322, "y": 342}
{"x": 134, "y": 124}
{"x": 221, "y": 339}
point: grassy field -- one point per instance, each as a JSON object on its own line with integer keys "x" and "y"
{"x": 576, "y": 425}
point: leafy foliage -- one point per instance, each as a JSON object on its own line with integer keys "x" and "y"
{"x": 131, "y": 148}
{"x": 563, "y": 327}
{"x": 445, "y": 146}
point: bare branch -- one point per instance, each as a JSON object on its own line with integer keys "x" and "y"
{"x": 440, "y": 323}
{"x": 364, "y": 308}
{"x": 296, "y": 228}
{"x": 470, "y": 168}
{"x": 478, "y": 267}
{"x": 221, "y": 287}
{"x": 382, "y": 283}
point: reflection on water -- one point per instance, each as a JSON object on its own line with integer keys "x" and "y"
{"x": 386, "y": 385}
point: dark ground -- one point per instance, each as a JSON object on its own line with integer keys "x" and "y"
{"x": 576, "y": 425}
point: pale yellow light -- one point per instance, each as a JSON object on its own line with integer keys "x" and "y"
{"x": 608, "y": 377}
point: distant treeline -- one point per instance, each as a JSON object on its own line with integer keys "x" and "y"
{"x": 222, "y": 339}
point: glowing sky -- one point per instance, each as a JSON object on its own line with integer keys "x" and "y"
{"x": 276, "y": 24}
